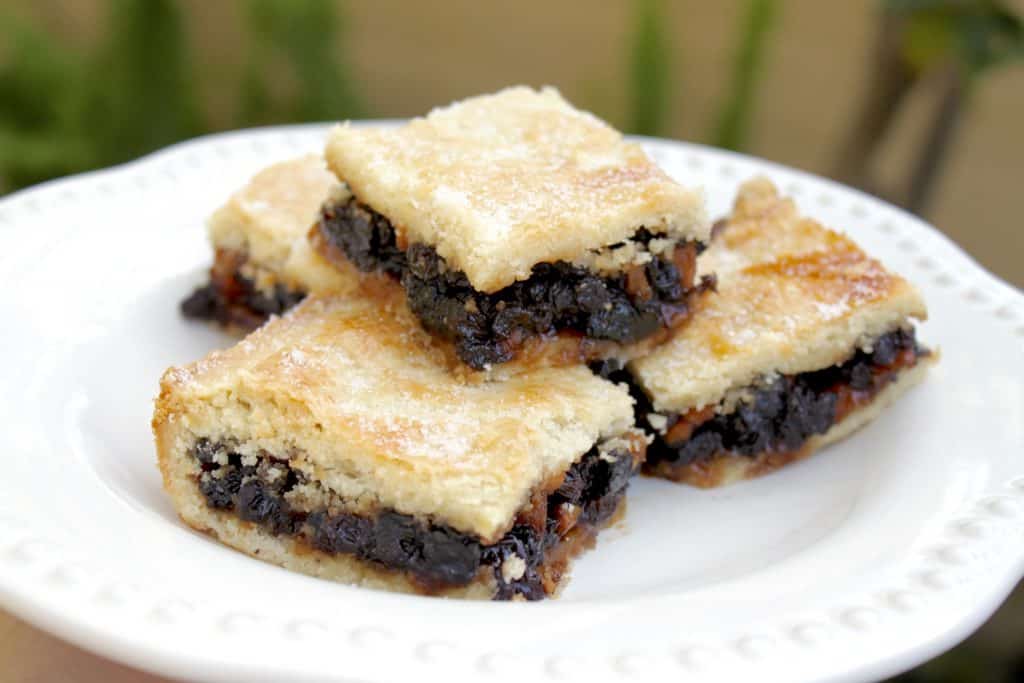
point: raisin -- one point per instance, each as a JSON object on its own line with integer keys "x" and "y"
{"x": 261, "y": 303}
{"x": 204, "y": 451}
{"x": 611, "y": 369}
{"x": 366, "y": 237}
{"x": 698, "y": 448}
{"x": 217, "y": 491}
{"x": 600, "y": 510}
{"x": 784, "y": 414}
{"x": 396, "y": 541}
{"x": 521, "y": 541}
{"x": 885, "y": 350}
{"x": 233, "y": 480}
{"x": 276, "y": 303}
{"x": 861, "y": 378}
{"x": 620, "y": 472}
{"x": 556, "y": 295}
{"x": 449, "y": 557}
{"x": 423, "y": 262}
{"x": 513, "y": 319}
{"x": 664, "y": 278}
{"x": 529, "y": 586}
{"x": 537, "y": 288}
{"x": 610, "y": 323}
{"x": 203, "y": 304}
{"x": 751, "y": 428}
{"x": 258, "y": 504}
{"x": 573, "y": 486}
{"x": 592, "y": 295}
{"x": 562, "y": 297}
{"x": 438, "y": 555}
{"x": 240, "y": 303}
{"x": 341, "y": 533}
{"x": 480, "y": 355}
{"x": 808, "y": 413}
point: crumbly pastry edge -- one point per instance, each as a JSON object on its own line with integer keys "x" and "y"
{"x": 723, "y": 470}
{"x": 489, "y": 272}
{"x": 179, "y": 478}
{"x": 662, "y": 205}
{"x": 271, "y": 254}
{"x": 240, "y": 413}
{"x": 772, "y": 234}
{"x": 612, "y": 260}
{"x": 827, "y": 344}
{"x": 180, "y": 471}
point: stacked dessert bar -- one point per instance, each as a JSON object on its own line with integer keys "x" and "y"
{"x": 337, "y": 441}
{"x": 263, "y": 264}
{"x": 505, "y": 312}
{"x": 519, "y": 226}
{"x": 805, "y": 340}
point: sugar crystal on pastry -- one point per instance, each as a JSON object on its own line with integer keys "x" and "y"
{"x": 263, "y": 263}
{"x": 336, "y": 441}
{"x": 806, "y": 339}
{"x": 517, "y": 224}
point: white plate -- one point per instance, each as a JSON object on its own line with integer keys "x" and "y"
{"x": 860, "y": 562}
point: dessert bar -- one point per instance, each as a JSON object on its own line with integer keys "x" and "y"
{"x": 263, "y": 262}
{"x": 518, "y": 226}
{"x": 336, "y": 441}
{"x": 806, "y": 339}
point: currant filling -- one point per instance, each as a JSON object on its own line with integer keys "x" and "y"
{"x": 526, "y": 561}
{"x": 233, "y": 299}
{"x": 491, "y": 328}
{"x": 780, "y": 416}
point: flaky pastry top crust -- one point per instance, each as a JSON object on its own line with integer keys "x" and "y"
{"x": 502, "y": 182}
{"x": 793, "y": 296}
{"x": 357, "y": 387}
{"x": 268, "y": 220}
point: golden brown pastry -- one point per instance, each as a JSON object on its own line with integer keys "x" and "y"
{"x": 806, "y": 339}
{"x": 263, "y": 262}
{"x": 517, "y": 223}
{"x": 336, "y": 441}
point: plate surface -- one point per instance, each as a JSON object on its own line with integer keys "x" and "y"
{"x": 862, "y": 561}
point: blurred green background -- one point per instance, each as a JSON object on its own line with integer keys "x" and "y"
{"x": 919, "y": 101}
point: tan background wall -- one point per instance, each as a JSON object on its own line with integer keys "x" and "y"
{"x": 411, "y": 55}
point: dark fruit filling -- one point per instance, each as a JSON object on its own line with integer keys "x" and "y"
{"x": 490, "y": 328}
{"x": 249, "y": 308}
{"x": 434, "y": 554}
{"x": 233, "y": 299}
{"x": 781, "y": 416}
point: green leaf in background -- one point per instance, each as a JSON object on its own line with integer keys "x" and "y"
{"x": 39, "y": 104}
{"x": 732, "y": 125}
{"x": 991, "y": 37}
{"x": 648, "y": 70}
{"x": 303, "y": 36}
{"x": 63, "y": 110}
{"x": 975, "y": 35}
{"x": 929, "y": 39}
{"x": 142, "y": 95}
